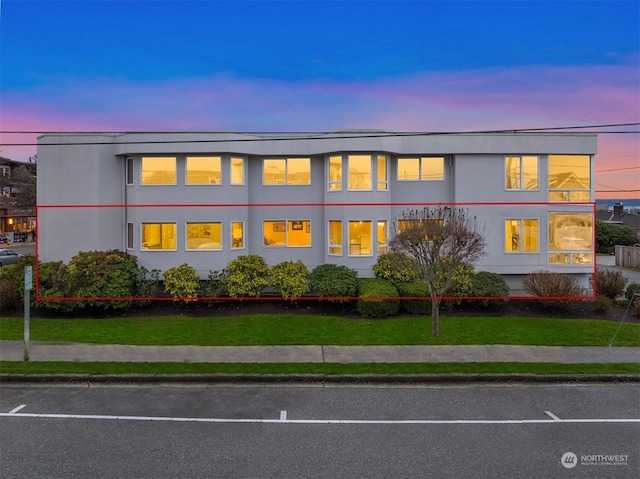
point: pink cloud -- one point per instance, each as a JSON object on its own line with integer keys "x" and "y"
{"x": 524, "y": 97}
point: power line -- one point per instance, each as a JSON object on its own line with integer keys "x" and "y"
{"x": 619, "y": 169}
{"x": 305, "y": 136}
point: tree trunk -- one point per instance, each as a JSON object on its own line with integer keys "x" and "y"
{"x": 435, "y": 315}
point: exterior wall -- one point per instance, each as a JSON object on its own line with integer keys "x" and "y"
{"x": 82, "y": 176}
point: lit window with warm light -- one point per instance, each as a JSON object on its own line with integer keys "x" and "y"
{"x": 287, "y": 171}
{"x": 359, "y": 167}
{"x": 521, "y": 173}
{"x": 570, "y": 238}
{"x": 569, "y": 178}
{"x": 335, "y": 238}
{"x": 424, "y": 168}
{"x": 287, "y": 233}
{"x": 237, "y": 170}
{"x": 360, "y": 238}
{"x": 521, "y": 235}
{"x": 335, "y": 173}
{"x": 158, "y": 171}
{"x": 383, "y": 246}
{"x": 159, "y": 236}
{"x": 204, "y": 170}
{"x": 204, "y": 236}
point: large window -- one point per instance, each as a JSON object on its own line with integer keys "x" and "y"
{"x": 158, "y": 171}
{"x": 237, "y": 171}
{"x": 521, "y": 173}
{"x": 204, "y": 170}
{"x": 291, "y": 233}
{"x": 204, "y": 236}
{"x": 383, "y": 246}
{"x": 335, "y": 173}
{"x": 421, "y": 169}
{"x": 288, "y": 171}
{"x": 360, "y": 240}
{"x": 382, "y": 173}
{"x": 571, "y": 236}
{"x": 237, "y": 235}
{"x": 521, "y": 235}
{"x": 335, "y": 238}
{"x": 359, "y": 172}
{"x": 158, "y": 236}
{"x": 569, "y": 178}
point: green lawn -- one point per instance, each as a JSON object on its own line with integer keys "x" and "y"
{"x": 290, "y": 329}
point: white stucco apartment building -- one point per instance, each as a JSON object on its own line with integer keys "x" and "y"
{"x": 205, "y": 198}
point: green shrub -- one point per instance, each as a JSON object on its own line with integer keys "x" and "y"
{"x": 632, "y": 289}
{"x": 290, "y": 279}
{"x": 8, "y": 295}
{"x": 247, "y": 276}
{"x": 609, "y": 235}
{"x": 333, "y": 281}
{"x": 213, "y": 287}
{"x": 94, "y": 274}
{"x": 548, "y": 284}
{"x": 414, "y": 306}
{"x": 51, "y": 286}
{"x": 610, "y": 283}
{"x": 397, "y": 268}
{"x": 377, "y": 308}
{"x": 147, "y": 282}
{"x": 181, "y": 282}
{"x": 487, "y": 284}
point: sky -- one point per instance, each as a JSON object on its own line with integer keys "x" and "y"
{"x": 271, "y": 66}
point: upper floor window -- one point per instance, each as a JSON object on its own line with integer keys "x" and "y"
{"x": 521, "y": 173}
{"x": 204, "y": 170}
{"x": 425, "y": 168}
{"x": 569, "y": 178}
{"x": 335, "y": 238}
{"x": 237, "y": 170}
{"x": 521, "y": 236}
{"x": 360, "y": 240}
{"x": 201, "y": 236}
{"x": 292, "y": 233}
{"x": 335, "y": 173}
{"x": 288, "y": 171}
{"x": 571, "y": 236}
{"x": 237, "y": 235}
{"x": 359, "y": 172}
{"x": 158, "y": 236}
{"x": 158, "y": 171}
{"x": 129, "y": 172}
{"x": 382, "y": 173}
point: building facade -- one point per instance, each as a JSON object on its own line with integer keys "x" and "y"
{"x": 207, "y": 198}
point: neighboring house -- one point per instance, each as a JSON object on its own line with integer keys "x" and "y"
{"x": 16, "y": 221}
{"x": 618, "y": 215}
{"x": 207, "y": 198}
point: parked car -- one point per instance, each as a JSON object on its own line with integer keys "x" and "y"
{"x": 8, "y": 256}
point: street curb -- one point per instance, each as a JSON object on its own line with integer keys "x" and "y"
{"x": 316, "y": 378}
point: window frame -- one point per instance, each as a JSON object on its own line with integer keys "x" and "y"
{"x": 128, "y": 172}
{"x": 384, "y": 182}
{"x": 306, "y": 223}
{"x": 186, "y": 235}
{"x": 231, "y": 223}
{"x": 350, "y": 244}
{"x": 521, "y": 178}
{"x": 384, "y": 244}
{"x": 243, "y": 161}
{"x": 175, "y": 171}
{"x": 186, "y": 170}
{"x": 143, "y": 248}
{"x": 335, "y": 245}
{"x": 286, "y": 170}
{"x": 337, "y": 182}
{"x": 370, "y": 156}
{"x": 521, "y": 234}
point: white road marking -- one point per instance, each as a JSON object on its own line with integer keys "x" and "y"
{"x": 16, "y": 409}
{"x": 319, "y": 421}
{"x": 283, "y": 415}
{"x": 552, "y": 416}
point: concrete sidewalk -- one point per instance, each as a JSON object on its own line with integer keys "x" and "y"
{"x": 46, "y": 351}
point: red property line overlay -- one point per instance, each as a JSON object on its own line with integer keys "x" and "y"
{"x": 321, "y": 298}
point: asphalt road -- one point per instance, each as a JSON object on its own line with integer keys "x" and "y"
{"x": 315, "y": 431}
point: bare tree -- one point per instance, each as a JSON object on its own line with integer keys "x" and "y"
{"x": 442, "y": 239}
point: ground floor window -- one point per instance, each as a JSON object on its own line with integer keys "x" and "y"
{"x": 289, "y": 233}
{"x": 571, "y": 238}
{"x": 204, "y": 236}
{"x": 159, "y": 236}
{"x": 521, "y": 236}
{"x": 237, "y": 235}
{"x": 360, "y": 239}
{"x": 335, "y": 238}
{"x": 382, "y": 237}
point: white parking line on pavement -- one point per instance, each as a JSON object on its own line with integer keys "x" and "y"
{"x": 16, "y": 409}
{"x": 552, "y": 416}
{"x": 554, "y": 420}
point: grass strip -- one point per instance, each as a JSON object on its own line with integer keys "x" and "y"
{"x": 46, "y": 367}
{"x": 292, "y": 329}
